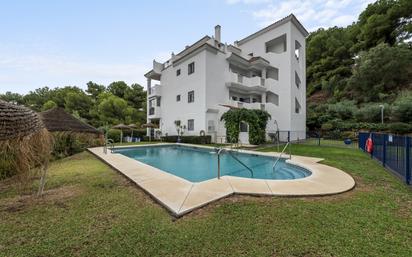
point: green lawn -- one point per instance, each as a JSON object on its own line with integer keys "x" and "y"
{"x": 90, "y": 210}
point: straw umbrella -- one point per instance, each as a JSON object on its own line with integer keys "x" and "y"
{"x": 149, "y": 125}
{"x": 122, "y": 127}
{"x": 132, "y": 127}
{"x": 24, "y": 143}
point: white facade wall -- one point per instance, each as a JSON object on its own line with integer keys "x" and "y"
{"x": 285, "y": 87}
{"x": 173, "y": 85}
{"x": 210, "y": 80}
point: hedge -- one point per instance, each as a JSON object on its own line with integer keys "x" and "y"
{"x": 189, "y": 139}
{"x": 114, "y": 134}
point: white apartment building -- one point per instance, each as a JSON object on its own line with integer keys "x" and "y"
{"x": 265, "y": 70}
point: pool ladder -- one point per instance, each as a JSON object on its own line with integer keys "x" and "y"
{"x": 109, "y": 142}
{"x": 280, "y": 155}
{"x": 219, "y": 151}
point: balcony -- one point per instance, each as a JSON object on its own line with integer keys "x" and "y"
{"x": 272, "y": 85}
{"x": 239, "y": 104}
{"x": 246, "y": 84}
{"x": 154, "y": 112}
{"x": 155, "y": 90}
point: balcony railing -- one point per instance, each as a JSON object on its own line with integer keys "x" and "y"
{"x": 155, "y": 90}
{"x": 246, "y": 81}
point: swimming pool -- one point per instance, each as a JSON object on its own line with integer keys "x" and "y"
{"x": 198, "y": 164}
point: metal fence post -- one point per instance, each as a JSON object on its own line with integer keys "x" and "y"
{"x": 319, "y": 138}
{"x": 384, "y": 150}
{"x": 408, "y": 160}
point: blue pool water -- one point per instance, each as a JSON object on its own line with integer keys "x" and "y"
{"x": 200, "y": 164}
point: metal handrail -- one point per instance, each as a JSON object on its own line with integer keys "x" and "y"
{"x": 109, "y": 142}
{"x": 280, "y": 155}
{"x": 234, "y": 157}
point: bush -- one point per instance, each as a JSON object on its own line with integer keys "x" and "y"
{"x": 189, "y": 139}
{"x": 342, "y": 110}
{"x": 402, "y": 108}
{"x": 69, "y": 143}
{"x": 400, "y": 128}
{"x": 369, "y": 113}
{"x": 114, "y": 134}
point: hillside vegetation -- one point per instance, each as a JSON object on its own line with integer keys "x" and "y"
{"x": 351, "y": 71}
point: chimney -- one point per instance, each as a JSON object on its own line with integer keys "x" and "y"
{"x": 217, "y": 33}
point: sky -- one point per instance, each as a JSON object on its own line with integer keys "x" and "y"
{"x": 70, "y": 42}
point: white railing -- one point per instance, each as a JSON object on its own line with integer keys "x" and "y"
{"x": 250, "y": 82}
{"x": 155, "y": 90}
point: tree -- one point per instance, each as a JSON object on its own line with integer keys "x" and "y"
{"x": 136, "y": 96}
{"x": 385, "y": 21}
{"x": 48, "y": 105}
{"x": 114, "y": 110}
{"x": 118, "y": 88}
{"x": 402, "y": 109}
{"x": 329, "y": 60}
{"x": 94, "y": 90}
{"x": 78, "y": 102}
{"x": 381, "y": 69}
{"x": 12, "y": 98}
{"x": 37, "y": 98}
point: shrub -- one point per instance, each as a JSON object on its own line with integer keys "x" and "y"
{"x": 342, "y": 110}
{"x": 400, "y": 128}
{"x": 189, "y": 139}
{"x": 256, "y": 119}
{"x": 370, "y": 113}
{"x": 402, "y": 108}
{"x": 69, "y": 143}
{"x": 114, "y": 134}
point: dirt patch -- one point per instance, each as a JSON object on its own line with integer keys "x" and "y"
{"x": 56, "y": 196}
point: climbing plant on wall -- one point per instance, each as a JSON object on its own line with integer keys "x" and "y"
{"x": 257, "y": 120}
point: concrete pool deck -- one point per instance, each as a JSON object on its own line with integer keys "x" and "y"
{"x": 181, "y": 196}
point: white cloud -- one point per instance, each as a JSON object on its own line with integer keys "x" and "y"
{"x": 312, "y": 13}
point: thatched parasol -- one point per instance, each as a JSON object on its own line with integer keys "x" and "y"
{"x": 57, "y": 119}
{"x": 132, "y": 127}
{"x": 24, "y": 143}
{"x": 121, "y": 127}
{"x": 149, "y": 125}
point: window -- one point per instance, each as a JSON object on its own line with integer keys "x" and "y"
{"x": 178, "y": 98}
{"x": 158, "y": 101}
{"x": 191, "y": 97}
{"x": 297, "y": 106}
{"x": 190, "y": 68}
{"x": 151, "y": 102}
{"x": 243, "y": 126}
{"x": 277, "y": 45}
{"x": 190, "y": 125}
{"x": 272, "y": 73}
{"x": 297, "y": 49}
{"x": 297, "y": 80}
{"x": 211, "y": 126}
{"x": 178, "y": 72}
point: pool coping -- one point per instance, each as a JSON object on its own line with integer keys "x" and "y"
{"x": 180, "y": 196}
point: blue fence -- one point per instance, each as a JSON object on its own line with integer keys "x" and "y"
{"x": 394, "y": 152}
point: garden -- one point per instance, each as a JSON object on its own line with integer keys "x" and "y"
{"x": 104, "y": 214}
